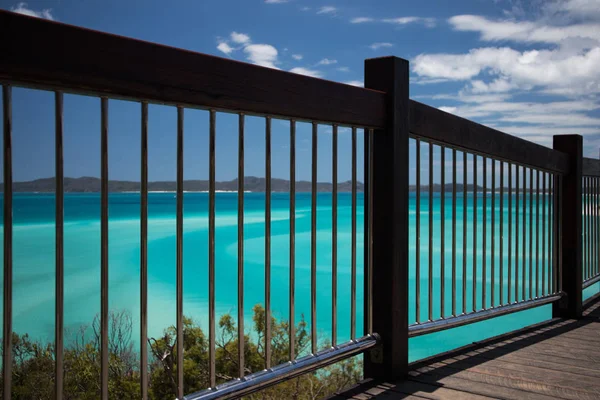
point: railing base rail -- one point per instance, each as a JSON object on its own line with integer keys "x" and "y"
{"x": 289, "y": 370}
{"x": 465, "y": 319}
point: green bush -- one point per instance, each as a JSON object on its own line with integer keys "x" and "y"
{"x": 33, "y": 362}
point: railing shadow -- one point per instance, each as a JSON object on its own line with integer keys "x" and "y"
{"x": 434, "y": 369}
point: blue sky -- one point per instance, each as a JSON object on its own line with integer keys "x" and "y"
{"x": 527, "y": 68}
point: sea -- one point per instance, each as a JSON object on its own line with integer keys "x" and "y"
{"x": 34, "y": 262}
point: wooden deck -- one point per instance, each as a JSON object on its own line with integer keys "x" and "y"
{"x": 555, "y": 359}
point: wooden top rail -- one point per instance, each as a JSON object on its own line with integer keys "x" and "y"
{"x": 56, "y": 56}
{"x": 591, "y": 167}
{"x": 47, "y": 54}
{"x": 439, "y": 126}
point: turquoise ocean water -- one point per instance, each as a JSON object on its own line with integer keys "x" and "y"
{"x": 33, "y": 258}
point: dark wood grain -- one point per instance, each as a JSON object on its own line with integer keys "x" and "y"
{"x": 45, "y": 53}
{"x": 569, "y": 210}
{"x": 390, "y": 221}
{"x": 432, "y": 123}
{"x": 590, "y": 167}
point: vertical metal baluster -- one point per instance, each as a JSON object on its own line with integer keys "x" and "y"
{"x": 594, "y": 213}
{"x": 554, "y": 240}
{"x": 464, "y": 247}
{"x": 442, "y": 232}
{"x": 591, "y": 228}
{"x": 530, "y": 233}
{"x": 524, "y": 270}
{"x": 537, "y": 234}
{"x": 594, "y": 268}
{"x": 292, "y": 322}
{"x": 104, "y": 248}
{"x": 211, "y": 252}
{"x": 430, "y": 209}
{"x": 510, "y": 232}
{"x": 558, "y": 239}
{"x": 8, "y": 264}
{"x": 268, "y": 326}
{"x": 454, "y": 232}
{"x": 501, "y": 234}
{"x": 591, "y": 215}
{"x": 179, "y": 227}
{"x": 595, "y": 227}
{"x": 588, "y": 217}
{"x": 493, "y": 247}
{"x": 240, "y": 249}
{"x": 369, "y": 289}
{"x": 418, "y": 234}
{"x": 545, "y": 199}
{"x": 586, "y": 225}
{"x": 143, "y": 254}
{"x": 474, "y": 296}
{"x": 59, "y": 249}
{"x": 517, "y": 170}
{"x": 353, "y": 248}
{"x": 334, "y": 161}
{"x": 552, "y": 247}
{"x": 484, "y": 260}
{"x": 313, "y": 245}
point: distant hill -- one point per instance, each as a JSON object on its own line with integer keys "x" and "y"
{"x": 251, "y": 183}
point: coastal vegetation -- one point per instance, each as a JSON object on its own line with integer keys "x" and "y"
{"x": 33, "y": 361}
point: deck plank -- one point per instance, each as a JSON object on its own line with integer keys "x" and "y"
{"x": 558, "y": 359}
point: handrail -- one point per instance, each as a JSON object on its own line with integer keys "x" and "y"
{"x": 442, "y": 127}
{"x": 39, "y": 53}
{"x": 591, "y": 166}
{"x": 49, "y": 54}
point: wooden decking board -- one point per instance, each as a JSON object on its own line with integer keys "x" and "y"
{"x": 515, "y": 371}
{"x": 541, "y": 361}
{"x": 474, "y": 382}
{"x": 431, "y": 391}
{"x": 504, "y": 378}
{"x": 556, "y": 359}
{"x": 552, "y": 342}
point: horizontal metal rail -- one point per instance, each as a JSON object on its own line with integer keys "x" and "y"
{"x": 590, "y": 300}
{"x": 260, "y": 380}
{"x": 591, "y": 281}
{"x": 465, "y": 319}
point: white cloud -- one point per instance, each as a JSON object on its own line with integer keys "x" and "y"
{"x": 546, "y": 69}
{"x": 327, "y": 61}
{"x": 327, "y": 10}
{"x": 361, "y": 20}
{"x": 225, "y": 48}
{"x": 262, "y": 54}
{"x": 523, "y": 31}
{"x": 355, "y": 83}
{"x": 343, "y": 69}
{"x": 428, "y": 22}
{"x": 240, "y": 38}
{"x": 297, "y": 57}
{"x": 21, "y": 8}
{"x": 307, "y": 72}
{"x": 380, "y": 45}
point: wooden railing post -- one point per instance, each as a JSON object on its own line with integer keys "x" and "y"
{"x": 569, "y": 229}
{"x": 389, "y": 196}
